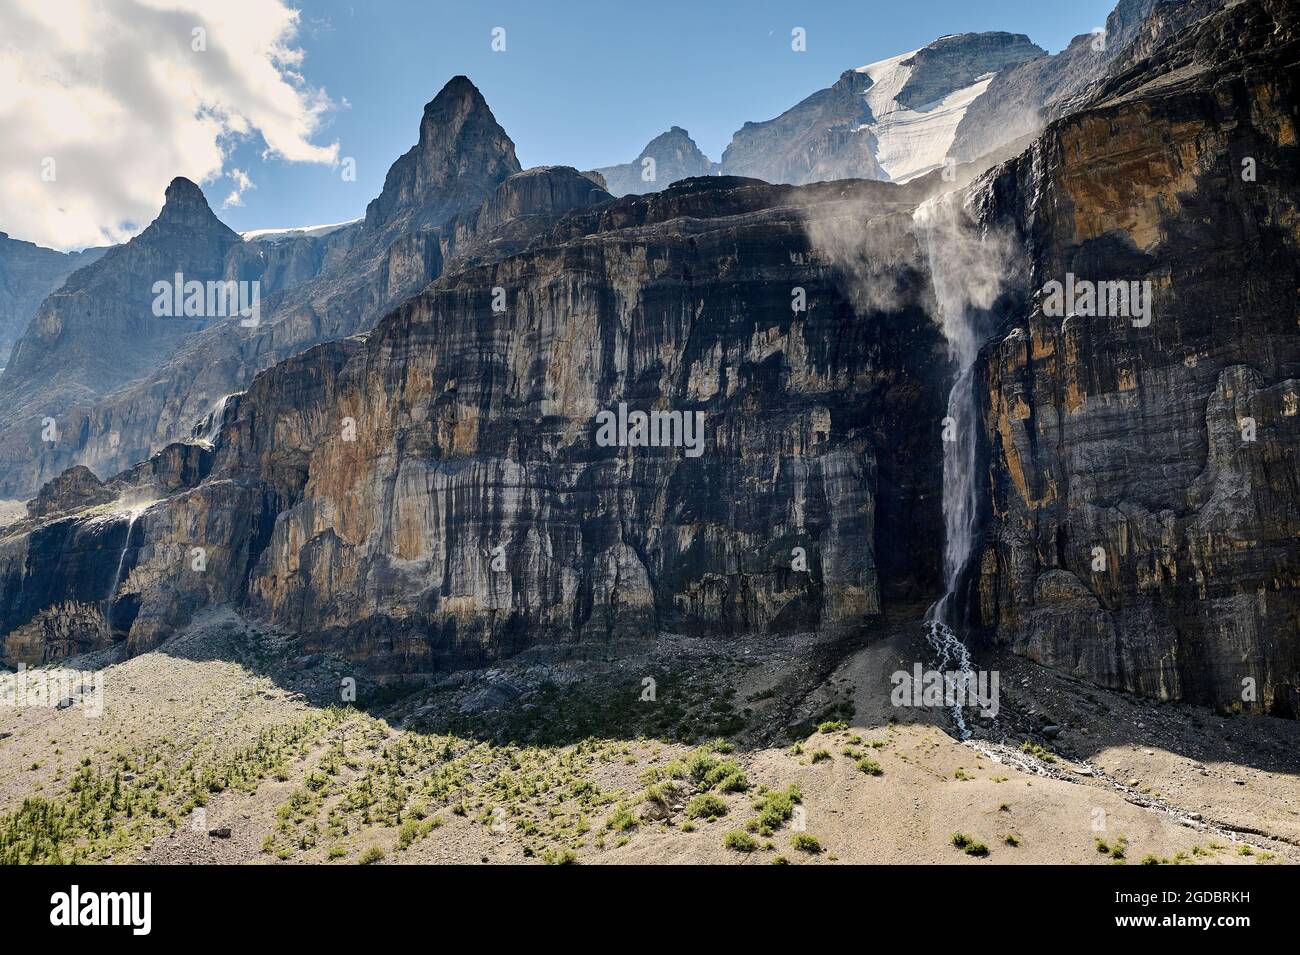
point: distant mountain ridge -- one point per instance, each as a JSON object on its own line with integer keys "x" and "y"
{"x": 675, "y": 157}
{"x": 894, "y": 119}
{"x": 28, "y": 273}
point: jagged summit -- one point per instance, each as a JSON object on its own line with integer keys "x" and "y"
{"x": 462, "y": 153}
{"x": 98, "y": 331}
{"x": 185, "y": 207}
{"x": 181, "y": 189}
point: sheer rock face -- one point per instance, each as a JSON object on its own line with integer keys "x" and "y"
{"x": 314, "y": 289}
{"x": 435, "y": 494}
{"x": 28, "y": 273}
{"x": 1144, "y": 507}
{"x": 676, "y": 157}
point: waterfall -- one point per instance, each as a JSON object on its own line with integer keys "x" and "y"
{"x": 967, "y": 269}
{"x": 121, "y": 560}
{"x": 209, "y": 429}
{"x": 133, "y": 515}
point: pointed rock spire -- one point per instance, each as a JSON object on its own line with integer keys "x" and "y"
{"x": 462, "y": 155}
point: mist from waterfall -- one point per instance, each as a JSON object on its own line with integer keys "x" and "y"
{"x": 968, "y": 268}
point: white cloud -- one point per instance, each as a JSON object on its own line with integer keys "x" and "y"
{"x": 242, "y": 185}
{"x": 112, "y": 98}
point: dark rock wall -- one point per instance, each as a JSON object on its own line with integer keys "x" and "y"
{"x": 1171, "y": 449}
{"x": 434, "y": 494}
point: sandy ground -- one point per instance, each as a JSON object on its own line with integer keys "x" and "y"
{"x": 450, "y": 764}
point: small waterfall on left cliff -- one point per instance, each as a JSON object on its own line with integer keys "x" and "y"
{"x": 209, "y": 429}
{"x": 968, "y": 268}
{"x": 133, "y": 514}
{"x": 121, "y": 560}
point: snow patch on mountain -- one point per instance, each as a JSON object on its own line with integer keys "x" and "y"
{"x": 271, "y": 235}
{"x": 913, "y": 141}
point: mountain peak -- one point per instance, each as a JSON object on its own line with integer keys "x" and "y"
{"x": 677, "y": 141}
{"x": 676, "y": 157}
{"x": 958, "y": 60}
{"x": 184, "y": 205}
{"x": 462, "y": 154}
{"x": 182, "y": 189}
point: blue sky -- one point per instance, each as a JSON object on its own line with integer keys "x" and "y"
{"x": 583, "y": 83}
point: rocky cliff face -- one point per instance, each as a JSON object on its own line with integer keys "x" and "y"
{"x": 675, "y": 157}
{"x": 427, "y": 214}
{"x": 28, "y": 273}
{"x": 889, "y": 120}
{"x": 449, "y": 488}
{"x": 436, "y": 493}
{"x": 1144, "y": 488}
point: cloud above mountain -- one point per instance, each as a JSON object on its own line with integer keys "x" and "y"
{"x": 103, "y": 102}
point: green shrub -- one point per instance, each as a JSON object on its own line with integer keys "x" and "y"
{"x": 706, "y": 806}
{"x": 622, "y": 820}
{"x": 968, "y": 845}
{"x": 806, "y": 843}
{"x": 870, "y": 767}
{"x": 774, "y": 809}
{"x": 700, "y": 763}
{"x": 734, "y": 783}
{"x": 1034, "y": 749}
{"x": 740, "y": 840}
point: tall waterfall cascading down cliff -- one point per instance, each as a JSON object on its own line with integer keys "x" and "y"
{"x": 968, "y": 268}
